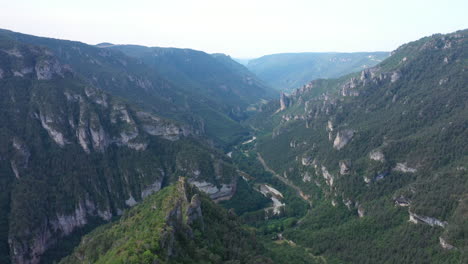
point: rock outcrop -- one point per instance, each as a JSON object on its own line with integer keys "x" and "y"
{"x": 344, "y": 167}
{"x": 444, "y": 244}
{"x": 377, "y": 155}
{"x": 46, "y": 69}
{"x": 403, "y": 167}
{"x": 414, "y": 218}
{"x": 306, "y": 161}
{"x": 215, "y": 192}
{"x": 342, "y": 138}
{"x": 329, "y": 179}
{"x": 284, "y": 102}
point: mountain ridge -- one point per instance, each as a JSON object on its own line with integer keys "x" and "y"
{"x": 288, "y": 71}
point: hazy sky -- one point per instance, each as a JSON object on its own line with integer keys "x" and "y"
{"x": 240, "y": 28}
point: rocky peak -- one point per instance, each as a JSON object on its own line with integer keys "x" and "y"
{"x": 284, "y": 101}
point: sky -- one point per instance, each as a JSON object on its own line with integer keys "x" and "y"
{"x": 240, "y": 28}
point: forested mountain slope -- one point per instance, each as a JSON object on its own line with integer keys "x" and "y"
{"x": 385, "y": 153}
{"x": 227, "y": 84}
{"x": 73, "y": 155}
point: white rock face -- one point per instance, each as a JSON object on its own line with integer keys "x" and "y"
{"x": 444, "y": 244}
{"x": 250, "y": 140}
{"x": 348, "y": 203}
{"x": 344, "y": 167}
{"x": 96, "y": 96}
{"x": 276, "y": 196}
{"x": 306, "y": 177}
{"x": 306, "y": 161}
{"x": 443, "y": 81}
{"x": 169, "y": 131}
{"x": 106, "y": 214}
{"x": 213, "y": 191}
{"x": 130, "y": 201}
{"x": 343, "y": 138}
{"x": 154, "y": 187}
{"x": 347, "y": 89}
{"x": 14, "y": 168}
{"x": 126, "y": 136}
{"x": 277, "y": 204}
{"x": 265, "y": 188}
{"x": 67, "y": 223}
{"x": 377, "y": 155}
{"x": 284, "y": 102}
{"x": 83, "y": 139}
{"x": 402, "y": 201}
{"x": 56, "y": 135}
{"x": 14, "y": 52}
{"x": 43, "y": 239}
{"x": 328, "y": 177}
{"x": 153, "y": 125}
{"x": 45, "y": 69}
{"x": 137, "y": 146}
{"x": 99, "y": 138}
{"x": 329, "y": 126}
{"x": 21, "y": 159}
{"x": 360, "y": 211}
{"x": 414, "y": 218}
{"x": 395, "y": 76}
{"x": 403, "y": 167}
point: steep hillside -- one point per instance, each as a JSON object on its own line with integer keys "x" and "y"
{"x": 176, "y": 225}
{"x": 72, "y": 155}
{"x": 384, "y": 152}
{"x": 192, "y": 87}
{"x": 216, "y": 79}
{"x": 288, "y": 71}
{"x": 223, "y": 80}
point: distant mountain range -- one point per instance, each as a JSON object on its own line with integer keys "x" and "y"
{"x": 288, "y": 71}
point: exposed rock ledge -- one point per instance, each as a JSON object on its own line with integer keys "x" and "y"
{"x": 445, "y": 245}
{"x": 225, "y": 191}
{"x": 327, "y": 176}
{"x": 376, "y": 155}
{"x": 342, "y": 138}
{"x": 403, "y": 167}
{"x": 344, "y": 167}
{"x": 414, "y": 218}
